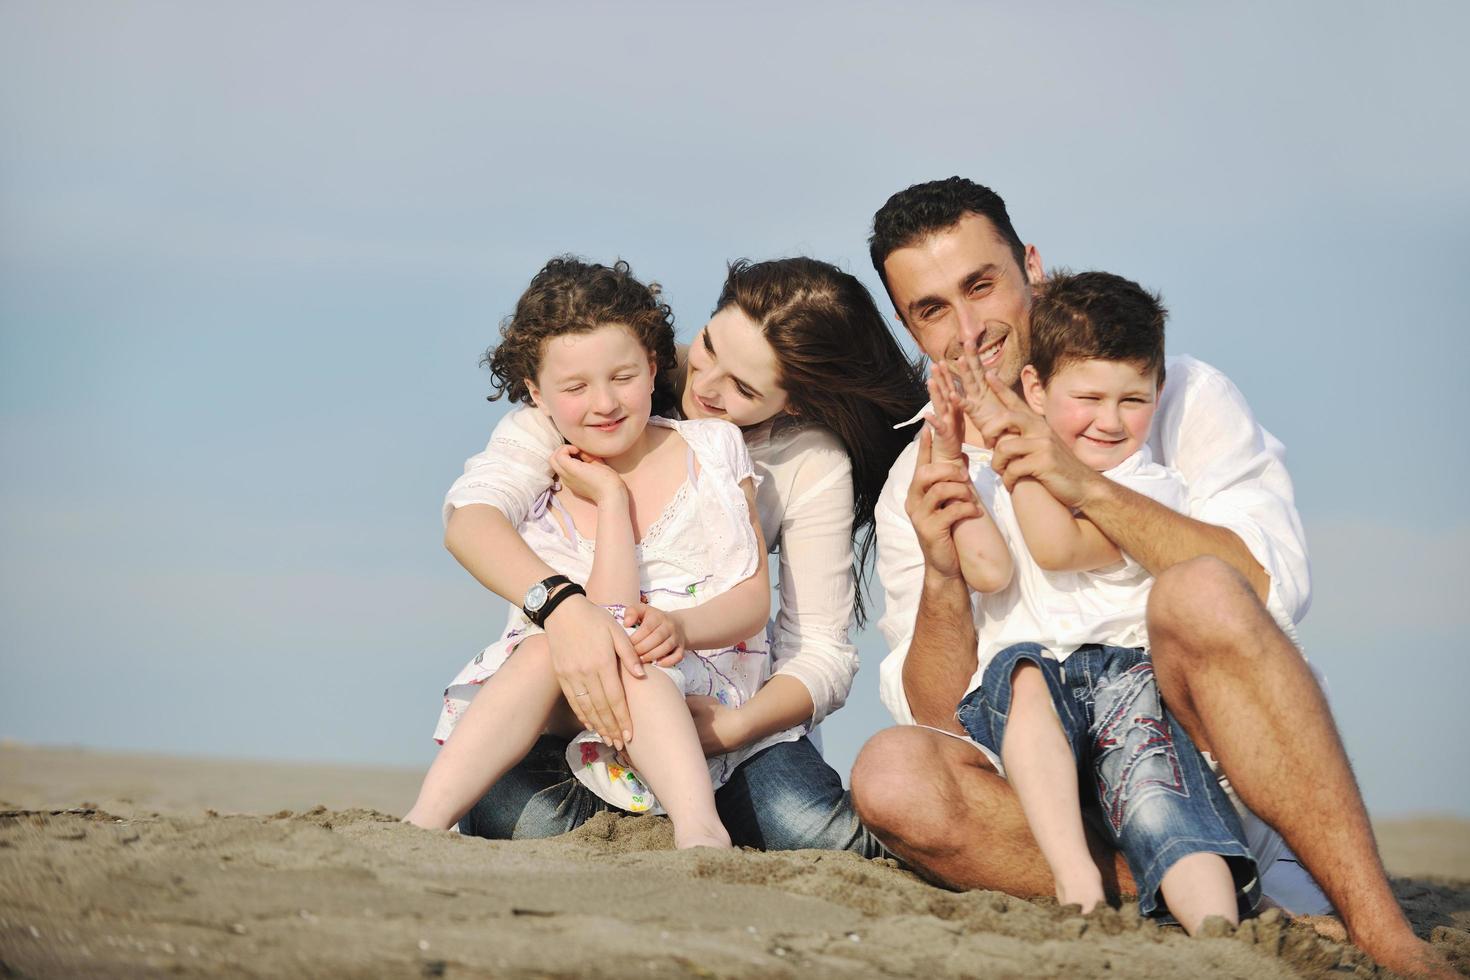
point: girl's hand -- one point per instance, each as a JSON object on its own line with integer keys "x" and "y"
{"x": 659, "y": 638}
{"x": 721, "y": 729}
{"x": 948, "y": 420}
{"x": 588, "y": 476}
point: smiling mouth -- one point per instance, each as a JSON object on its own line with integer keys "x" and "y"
{"x": 608, "y": 426}
{"x": 989, "y": 355}
{"x": 708, "y": 407}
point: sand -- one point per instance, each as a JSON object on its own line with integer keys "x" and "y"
{"x": 127, "y": 865}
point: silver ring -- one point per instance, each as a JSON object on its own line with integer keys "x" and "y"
{"x": 581, "y": 694}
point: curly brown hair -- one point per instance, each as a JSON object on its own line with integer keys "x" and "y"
{"x": 571, "y": 296}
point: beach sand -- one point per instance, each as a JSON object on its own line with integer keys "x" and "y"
{"x": 131, "y": 865}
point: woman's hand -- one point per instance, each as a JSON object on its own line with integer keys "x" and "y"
{"x": 659, "y": 638}
{"x": 586, "y": 646}
{"x": 588, "y": 476}
{"x": 721, "y": 729}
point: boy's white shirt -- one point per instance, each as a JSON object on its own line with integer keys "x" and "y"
{"x": 1236, "y": 476}
{"x": 1064, "y": 610}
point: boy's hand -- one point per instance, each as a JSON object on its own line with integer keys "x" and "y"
{"x": 1025, "y": 446}
{"x": 947, "y": 421}
{"x": 659, "y": 638}
{"x": 977, "y": 400}
{"x": 588, "y": 476}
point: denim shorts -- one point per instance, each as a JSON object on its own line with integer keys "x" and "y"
{"x": 1143, "y": 784}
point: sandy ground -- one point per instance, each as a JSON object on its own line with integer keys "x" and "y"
{"x": 129, "y": 865}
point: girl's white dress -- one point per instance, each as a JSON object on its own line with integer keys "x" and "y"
{"x": 700, "y": 546}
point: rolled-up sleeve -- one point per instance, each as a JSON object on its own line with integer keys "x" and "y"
{"x": 514, "y": 469}
{"x": 1237, "y": 478}
{"x": 811, "y": 641}
{"x": 900, "y": 568}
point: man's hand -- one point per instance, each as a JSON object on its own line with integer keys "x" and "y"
{"x": 586, "y": 646}
{"x": 659, "y": 638}
{"x": 588, "y": 476}
{"x": 1025, "y": 446}
{"x": 940, "y": 496}
{"x": 720, "y": 728}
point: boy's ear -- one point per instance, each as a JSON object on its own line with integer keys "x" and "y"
{"x": 1033, "y": 389}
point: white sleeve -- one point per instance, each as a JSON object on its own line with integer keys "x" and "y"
{"x": 900, "y": 569}
{"x": 514, "y": 469}
{"x": 811, "y": 641}
{"x": 1237, "y": 478}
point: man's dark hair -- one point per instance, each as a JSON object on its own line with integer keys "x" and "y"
{"x": 913, "y": 214}
{"x": 1087, "y": 316}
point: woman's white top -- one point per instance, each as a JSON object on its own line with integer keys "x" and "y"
{"x": 805, "y": 503}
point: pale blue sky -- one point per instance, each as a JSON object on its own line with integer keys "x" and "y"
{"x": 249, "y": 255}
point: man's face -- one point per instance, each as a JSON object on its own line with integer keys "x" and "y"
{"x": 963, "y": 283}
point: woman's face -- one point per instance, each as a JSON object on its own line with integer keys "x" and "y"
{"x": 733, "y": 372}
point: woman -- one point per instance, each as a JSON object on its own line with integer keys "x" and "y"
{"x": 797, "y": 355}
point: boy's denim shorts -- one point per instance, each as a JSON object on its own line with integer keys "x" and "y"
{"x": 1143, "y": 784}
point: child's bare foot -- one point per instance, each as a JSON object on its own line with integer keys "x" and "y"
{"x": 702, "y": 836}
{"x": 1083, "y": 890}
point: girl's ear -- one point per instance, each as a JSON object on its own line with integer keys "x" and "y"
{"x": 535, "y": 394}
{"x": 1033, "y": 389}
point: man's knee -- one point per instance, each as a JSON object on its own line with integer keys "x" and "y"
{"x": 1202, "y": 600}
{"x": 883, "y": 776}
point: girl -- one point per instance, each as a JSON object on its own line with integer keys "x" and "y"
{"x": 645, "y": 506}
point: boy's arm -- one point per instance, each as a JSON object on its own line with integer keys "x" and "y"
{"x": 1059, "y": 541}
{"x": 985, "y": 561}
{"x": 739, "y": 613}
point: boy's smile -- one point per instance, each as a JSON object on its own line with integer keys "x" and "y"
{"x": 1101, "y": 409}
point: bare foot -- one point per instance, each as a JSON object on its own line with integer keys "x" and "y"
{"x": 703, "y": 836}
{"x": 1086, "y": 892}
{"x": 1409, "y": 956}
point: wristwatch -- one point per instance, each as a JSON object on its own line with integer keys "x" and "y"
{"x": 539, "y": 599}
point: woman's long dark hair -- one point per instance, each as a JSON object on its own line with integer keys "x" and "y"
{"x": 841, "y": 369}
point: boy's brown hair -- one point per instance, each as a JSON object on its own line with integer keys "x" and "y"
{"x": 1087, "y": 316}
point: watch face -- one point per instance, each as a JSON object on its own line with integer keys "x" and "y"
{"x": 536, "y": 597}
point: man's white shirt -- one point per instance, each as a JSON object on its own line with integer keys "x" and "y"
{"x": 1236, "y": 476}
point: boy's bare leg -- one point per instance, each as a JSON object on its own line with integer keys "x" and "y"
{"x": 1043, "y": 772}
{"x": 1198, "y": 886}
{"x": 497, "y": 730}
{"x": 1243, "y": 692}
{"x": 936, "y": 802}
{"x": 666, "y": 753}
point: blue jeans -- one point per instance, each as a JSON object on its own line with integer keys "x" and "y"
{"x": 1143, "y": 784}
{"x": 782, "y": 798}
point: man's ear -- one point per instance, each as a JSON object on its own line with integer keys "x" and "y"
{"x": 1035, "y": 274}
{"x": 1033, "y": 389}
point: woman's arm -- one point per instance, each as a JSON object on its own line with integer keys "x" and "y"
{"x": 1057, "y": 540}
{"x": 738, "y": 613}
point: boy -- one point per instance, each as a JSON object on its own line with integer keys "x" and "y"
{"x": 1068, "y": 688}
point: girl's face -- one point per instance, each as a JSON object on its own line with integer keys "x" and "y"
{"x": 733, "y": 372}
{"x": 1101, "y": 409}
{"x": 597, "y": 388}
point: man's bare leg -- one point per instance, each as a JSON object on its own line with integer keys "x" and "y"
{"x": 1243, "y": 691}
{"x": 936, "y": 802}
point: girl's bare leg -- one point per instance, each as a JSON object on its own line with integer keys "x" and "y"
{"x": 665, "y": 751}
{"x": 1199, "y": 886}
{"x": 1043, "y": 771}
{"x": 497, "y": 731}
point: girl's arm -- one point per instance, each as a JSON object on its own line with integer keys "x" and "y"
{"x": 614, "y": 576}
{"x": 739, "y": 613}
{"x": 1059, "y": 541}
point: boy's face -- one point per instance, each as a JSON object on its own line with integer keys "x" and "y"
{"x": 1101, "y": 409}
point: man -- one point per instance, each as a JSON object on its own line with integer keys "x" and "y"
{"x": 1231, "y": 580}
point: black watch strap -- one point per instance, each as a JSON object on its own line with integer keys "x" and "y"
{"x": 567, "y": 590}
